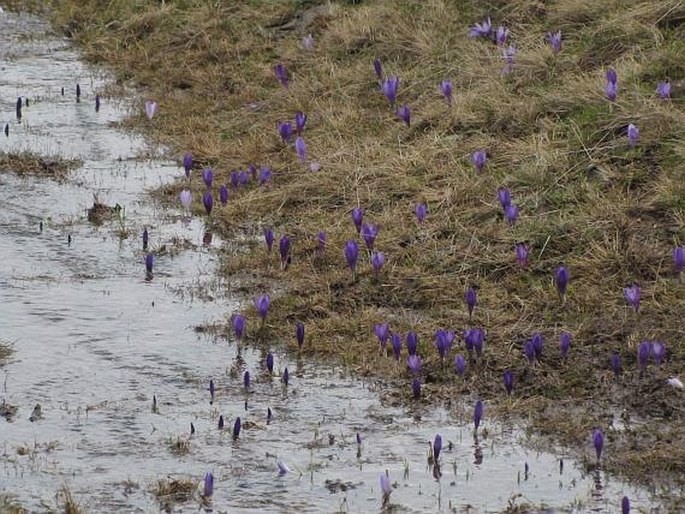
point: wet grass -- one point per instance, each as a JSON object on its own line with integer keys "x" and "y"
{"x": 610, "y": 213}
{"x": 6, "y": 349}
{"x": 29, "y": 163}
{"x": 10, "y": 505}
{"x": 171, "y": 491}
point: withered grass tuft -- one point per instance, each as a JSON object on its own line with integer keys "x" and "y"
{"x": 610, "y": 213}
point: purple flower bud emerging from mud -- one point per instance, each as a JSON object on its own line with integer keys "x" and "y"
{"x": 285, "y": 130}
{"x": 471, "y": 300}
{"x": 414, "y": 363}
{"x": 389, "y": 88}
{"x": 437, "y": 446}
{"x": 643, "y": 351}
{"x": 522, "y": 254}
{"x": 262, "y": 305}
{"x": 504, "y": 196}
{"x": 658, "y": 351}
{"x": 268, "y": 238}
{"x": 378, "y": 68}
{"x": 386, "y": 488}
{"x": 301, "y": 149}
{"x": 236, "y": 428}
{"x": 616, "y": 364}
{"x": 478, "y": 159}
{"x": 483, "y": 29}
{"x": 382, "y": 331}
{"x": 404, "y": 113}
{"x": 238, "y": 323}
{"x": 478, "y": 414}
{"x": 223, "y": 194}
{"x": 664, "y": 90}
{"x": 246, "y": 379}
{"x": 208, "y": 489}
{"x": 633, "y": 135}
{"x": 508, "y": 381}
{"x": 300, "y": 121}
{"x": 299, "y": 333}
{"x": 459, "y": 365}
{"x": 149, "y": 262}
{"x": 351, "y": 254}
{"x": 208, "y": 202}
{"x": 286, "y": 376}
{"x": 611, "y": 91}
{"x": 377, "y": 262}
{"x": 357, "y": 217}
{"x": 284, "y": 250}
{"x": 150, "y": 108}
{"x": 420, "y": 210}
{"x": 270, "y": 362}
{"x": 511, "y": 213}
{"x": 625, "y": 505}
{"x": 412, "y": 342}
{"x": 208, "y": 177}
{"x": 321, "y": 241}
{"x": 565, "y": 344}
{"x": 598, "y": 441}
{"x": 369, "y": 233}
{"x": 561, "y": 278}
{"x": 146, "y": 238}
{"x": 501, "y": 35}
{"x": 396, "y": 346}
{"x": 186, "y": 199}
{"x": 632, "y": 296}
{"x": 416, "y": 388}
{"x": 679, "y": 258}
{"x": 446, "y": 90}
{"x": 554, "y": 40}
{"x": 187, "y": 163}
{"x": 529, "y": 351}
{"x": 281, "y": 74}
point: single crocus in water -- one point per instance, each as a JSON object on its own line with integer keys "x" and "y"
{"x": 404, "y": 113}
{"x": 285, "y": 130}
{"x": 679, "y": 258}
{"x": 561, "y": 278}
{"x": 223, "y": 194}
{"x": 357, "y": 217}
{"x": 268, "y": 239}
{"x": 369, "y": 233}
{"x": 262, "y": 305}
{"x": 396, "y": 346}
{"x": 471, "y": 300}
{"x": 97, "y": 103}
{"x": 382, "y": 331}
{"x": 378, "y": 68}
{"x": 208, "y": 489}
{"x": 482, "y": 29}
{"x": 598, "y": 441}
{"x": 146, "y": 238}
{"x": 246, "y": 380}
{"x": 565, "y": 344}
{"x": 186, "y": 199}
{"x": 299, "y": 333}
{"x": 616, "y": 364}
{"x": 522, "y": 254}
{"x": 643, "y": 351}
{"x": 508, "y": 381}
{"x": 437, "y": 447}
{"x": 389, "y": 88}
{"x": 633, "y": 134}
{"x": 281, "y": 74}
{"x": 212, "y": 389}
{"x": 416, "y": 388}
{"x": 301, "y": 148}
{"x": 460, "y": 365}
{"x": 414, "y": 363}
{"x": 446, "y": 90}
{"x": 478, "y": 159}
{"x": 625, "y": 505}
{"x": 238, "y": 323}
{"x": 420, "y": 210}
{"x": 220, "y": 425}
{"x": 351, "y": 254}
{"x": 300, "y": 121}
{"x": 386, "y": 488}
{"x": 632, "y": 296}
{"x": 270, "y": 362}
{"x": 282, "y": 467}
{"x": 511, "y": 213}
{"x": 664, "y": 90}
{"x": 377, "y": 262}
{"x": 208, "y": 177}
{"x": 286, "y": 376}
{"x": 658, "y": 351}
{"x": 208, "y": 202}
{"x": 478, "y": 414}
{"x": 187, "y": 163}
{"x": 149, "y": 262}
{"x": 236, "y": 428}
{"x": 412, "y": 342}
{"x": 284, "y": 250}
{"x": 554, "y": 40}
{"x": 150, "y": 108}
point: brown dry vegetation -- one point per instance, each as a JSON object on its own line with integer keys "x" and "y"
{"x": 27, "y": 163}
{"x": 610, "y": 213}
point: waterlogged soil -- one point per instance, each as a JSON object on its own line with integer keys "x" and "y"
{"x": 97, "y": 343}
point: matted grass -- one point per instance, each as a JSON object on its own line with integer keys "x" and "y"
{"x": 29, "y": 163}
{"x": 610, "y": 213}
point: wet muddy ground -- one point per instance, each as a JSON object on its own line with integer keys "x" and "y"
{"x": 96, "y": 342}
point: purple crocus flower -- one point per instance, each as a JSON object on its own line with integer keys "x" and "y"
{"x": 616, "y": 364}
{"x": 471, "y": 300}
{"x": 351, "y": 254}
{"x": 369, "y": 233}
{"x": 299, "y": 334}
{"x": 264, "y": 175}
{"x": 483, "y": 29}
{"x": 632, "y": 296}
{"x": 268, "y": 238}
{"x": 437, "y": 446}
{"x": 300, "y": 121}
{"x": 284, "y": 250}
{"x": 611, "y": 90}
{"x": 285, "y": 130}
{"x": 643, "y": 351}
{"x": 301, "y": 148}
{"x": 208, "y": 202}
{"x": 270, "y": 362}
{"x": 509, "y": 56}
{"x": 286, "y": 377}
{"x": 501, "y": 35}
{"x": 679, "y": 258}
{"x": 146, "y": 238}
{"x": 479, "y": 158}
{"x": 504, "y": 196}
{"x": 208, "y": 177}
{"x": 611, "y": 76}
{"x": 446, "y": 90}
{"x": 243, "y": 178}
{"x": 186, "y": 199}
{"x": 508, "y": 381}
{"x": 396, "y": 346}
{"x": 386, "y": 488}
{"x": 474, "y": 339}
{"x": 235, "y": 180}
{"x": 150, "y": 107}
{"x": 664, "y": 90}
{"x": 236, "y": 428}
{"x": 282, "y": 467}
{"x": 658, "y": 351}
{"x": 389, "y": 88}
{"x": 321, "y": 240}
{"x": 404, "y": 113}
{"x": 598, "y": 440}
{"x": 149, "y": 262}
{"x": 565, "y": 344}
{"x": 412, "y": 342}
{"x": 308, "y": 42}
{"x": 625, "y": 505}
{"x": 522, "y": 254}
{"x": 377, "y": 261}
{"x": 414, "y": 363}
{"x": 416, "y": 388}
{"x": 281, "y": 74}
{"x": 633, "y": 134}
{"x": 478, "y": 414}
{"x": 378, "y": 68}
{"x": 187, "y": 163}
{"x": 382, "y": 331}
{"x": 529, "y": 351}
{"x": 460, "y": 364}
{"x": 97, "y": 103}
{"x": 262, "y": 305}
{"x": 511, "y": 213}
{"x": 238, "y": 323}
{"x": 223, "y": 194}
{"x": 208, "y": 489}
{"x": 443, "y": 342}
{"x": 554, "y": 39}
{"x": 420, "y": 210}
{"x": 246, "y": 379}
{"x": 220, "y": 425}
{"x": 357, "y": 217}
{"x": 538, "y": 344}
{"x": 561, "y": 278}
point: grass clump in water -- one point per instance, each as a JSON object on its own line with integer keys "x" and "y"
{"x": 29, "y": 163}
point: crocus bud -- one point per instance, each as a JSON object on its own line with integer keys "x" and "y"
{"x": 299, "y": 334}
{"x": 460, "y": 365}
{"x": 357, "y": 217}
{"x": 416, "y": 388}
{"x": 146, "y": 238}
{"x": 633, "y": 134}
{"x": 420, "y": 210}
{"x": 389, "y": 88}
{"x": 382, "y": 331}
{"x": 632, "y": 296}
{"x": 262, "y": 305}
{"x": 479, "y": 158}
{"x": 301, "y": 149}
{"x": 404, "y": 113}
{"x": 664, "y": 90}
{"x": 223, "y": 194}
{"x": 598, "y": 440}
{"x": 238, "y": 323}
{"x": 270, "y": 362}
{"x": 149, "y": 261}
{"x": 412, "y": 342}
{"x": 150, "y": 106}
{"x": 478, "y": 414}
{"x": 396, "y": 346}
{"x": 616, "y": 364}
{"x": 437, "y": 446}
{"x": 561, "y": 278}
{"x": 351, "y": 254}
{"x": 187, "y": 163}
{"x": 446, "y": 90}
{"x": 300, "y": 121}
{"x": 284, "y": 250}
{"x": 471, "y": 300}
{"x": 565, "y": 344}
{"x": 208, "y": 202}
{"x": 508, "y": 381}
{"x": 378, "y": 68}
{"x": 208, "y": 177}
{"x": 377, "y": 261}
{"x": 186, "y": 199}
{"x": 522, "y": 254}
{"x": 236, "y": 428}
{"x": 281, "y": 74}
{"x": 208, "y": 489}
{"x": 369, "y": 233}
{"x": 268, "y": 239}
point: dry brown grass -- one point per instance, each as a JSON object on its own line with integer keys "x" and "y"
{"x": 609, "y": 213}
{"x": 27, "y": 163}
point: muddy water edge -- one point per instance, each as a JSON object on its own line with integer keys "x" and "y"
{"x": 112, "y": 366}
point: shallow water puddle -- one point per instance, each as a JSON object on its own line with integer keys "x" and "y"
{"x": 95, "y": 341}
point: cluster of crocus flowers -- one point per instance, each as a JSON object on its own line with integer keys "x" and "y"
{"x": 655, "y": 348}
{"x": 611, "y": 87}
